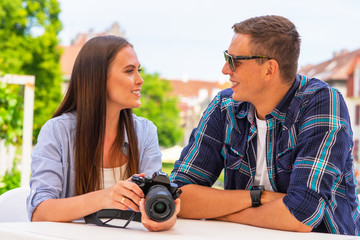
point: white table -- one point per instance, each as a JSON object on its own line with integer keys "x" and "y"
{"x": 184, "y": 229}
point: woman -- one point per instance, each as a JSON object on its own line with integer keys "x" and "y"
{"x": 93, "y": 143}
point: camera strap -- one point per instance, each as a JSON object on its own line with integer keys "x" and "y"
{"x": 129, "y": 215}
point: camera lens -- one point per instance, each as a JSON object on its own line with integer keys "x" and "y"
{"x": 159, "y": 204}
{"x": 160, "y": 207}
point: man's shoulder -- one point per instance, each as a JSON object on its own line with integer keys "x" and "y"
{"x": 314, "y": 92}
{"x": 226, "y": 93}
{"x": 311, "y": 86}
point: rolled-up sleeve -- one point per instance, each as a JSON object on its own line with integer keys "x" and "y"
{"x": 47, "y": 168}
{"x": 324, "y": 145}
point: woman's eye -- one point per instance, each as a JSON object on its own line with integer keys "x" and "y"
{"x": 130, "y": 71}
{"x": 140, "y": 70}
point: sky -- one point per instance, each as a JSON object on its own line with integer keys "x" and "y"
{"x": 186, "y": 39}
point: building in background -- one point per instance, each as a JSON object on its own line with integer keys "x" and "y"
{"x": 343, "y": 72}
{"x": 195, "y": 96}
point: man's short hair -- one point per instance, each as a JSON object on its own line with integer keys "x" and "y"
{"x": 275, "y": 37}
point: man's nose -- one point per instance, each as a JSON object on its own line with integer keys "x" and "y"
{"x": 226, "y": 69}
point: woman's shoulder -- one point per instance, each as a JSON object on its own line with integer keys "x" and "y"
{"x": 68, "y": 116}
{"x": 142, "y": 121}
{"x": 63, "y": 122}
{"x": 143, "y": 125}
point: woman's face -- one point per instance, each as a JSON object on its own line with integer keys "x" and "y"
{"x": 124, "y": 81}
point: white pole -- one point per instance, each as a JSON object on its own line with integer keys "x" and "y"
{"x": 29, "y": 82}
{"x": 27, "y": 131}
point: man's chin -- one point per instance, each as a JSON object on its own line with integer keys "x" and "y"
{"x": 237, "y": 98}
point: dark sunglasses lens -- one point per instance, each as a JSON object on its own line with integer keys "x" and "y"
{"x": 226, "y": 57}
{"x": 229, "y": 60}
{"x": 231, "y": 63}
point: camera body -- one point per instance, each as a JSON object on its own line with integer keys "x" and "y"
{"x": 159, "y": 195}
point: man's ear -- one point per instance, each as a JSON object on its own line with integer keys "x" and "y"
{"x": 272, "y": 69}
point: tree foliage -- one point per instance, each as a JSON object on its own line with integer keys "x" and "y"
{"x": 10, "y": 180}
{"x": 29, "y": 46}
{"x": 161, "y": 108}
{"x": 11, "y": 116}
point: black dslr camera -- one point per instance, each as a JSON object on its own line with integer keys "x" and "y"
{"x": 159, "y": 195}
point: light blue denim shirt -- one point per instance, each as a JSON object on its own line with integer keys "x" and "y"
{"x": 53, "y": 164}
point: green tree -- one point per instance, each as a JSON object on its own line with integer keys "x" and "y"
{"x": 161, "y": 108}
{"x": 10, "y": 180}
{"x": 29, "y": 46}
{"x": 11, "y": 100}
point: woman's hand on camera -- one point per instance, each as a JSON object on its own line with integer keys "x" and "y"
{"x": 124, "y": 195}
{"x": 154, "y": 226}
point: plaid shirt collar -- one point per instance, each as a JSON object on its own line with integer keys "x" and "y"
{"x": 279, "y": 112}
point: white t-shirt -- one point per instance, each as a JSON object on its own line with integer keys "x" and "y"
{"x": 113, "y": 175}
{"x": 262, "y": 176}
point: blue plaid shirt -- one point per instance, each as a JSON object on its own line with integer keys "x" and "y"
{"x": 308, "y": 153}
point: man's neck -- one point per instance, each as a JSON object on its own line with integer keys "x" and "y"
{"x": 271, "y": 99}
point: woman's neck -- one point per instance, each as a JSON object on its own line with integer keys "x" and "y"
{"x": 111, "y": 159}
{"x": 112, "y": 120}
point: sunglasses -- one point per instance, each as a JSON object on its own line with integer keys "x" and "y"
{"x": 230, "y": 59}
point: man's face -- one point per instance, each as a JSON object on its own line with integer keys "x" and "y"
{"x": 247, "y": 79}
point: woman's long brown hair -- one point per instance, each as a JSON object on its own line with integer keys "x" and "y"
{"x": 87, "y": 96}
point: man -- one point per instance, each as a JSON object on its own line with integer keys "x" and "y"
{"x": 283, "y": 140}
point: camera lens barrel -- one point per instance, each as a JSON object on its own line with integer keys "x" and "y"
{"x": 159, "y": 203}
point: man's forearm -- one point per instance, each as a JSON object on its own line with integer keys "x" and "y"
{"x": 273, "y": 215}
{"x": 200, "y": 202}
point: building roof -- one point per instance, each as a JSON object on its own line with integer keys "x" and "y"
{"x": 67, "y": 59}
{"x": 191, "y": 88}
{"x": 354, "y": 63}
{"x": 336, "y": 68}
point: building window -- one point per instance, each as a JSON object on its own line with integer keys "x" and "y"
{"x": 357, "y": 115}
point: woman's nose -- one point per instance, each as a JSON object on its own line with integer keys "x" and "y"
{"x": 139, "y": 80}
